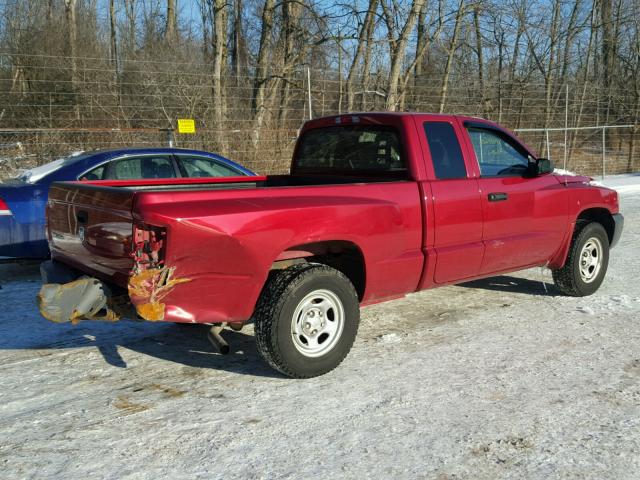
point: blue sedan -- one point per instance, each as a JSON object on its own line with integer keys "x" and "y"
{"x": 23, "y": 199}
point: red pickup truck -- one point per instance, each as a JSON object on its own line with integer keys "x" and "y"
{"x": 376, "y": 206}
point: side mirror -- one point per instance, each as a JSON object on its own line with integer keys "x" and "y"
{"x": 543, "y": 165}
{"x": 539, "y": 166}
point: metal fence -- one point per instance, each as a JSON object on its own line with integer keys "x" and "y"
{"x": 601, "y": 150}
{"x": 43, "y": 118}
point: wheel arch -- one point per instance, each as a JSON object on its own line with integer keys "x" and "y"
{"x": 343, "y": 255}
{"x": 599, "y": 215}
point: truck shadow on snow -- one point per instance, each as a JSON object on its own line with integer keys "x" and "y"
{"x": 182, "y": 345}
{"x": 187, "y": 345}
{"x": 507, "y": 283}
{"x": 22, "y": 328}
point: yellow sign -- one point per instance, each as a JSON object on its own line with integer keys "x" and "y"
{"x": 186, "y": 125}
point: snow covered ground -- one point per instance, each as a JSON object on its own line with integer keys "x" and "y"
{"x": 499, "y": 378}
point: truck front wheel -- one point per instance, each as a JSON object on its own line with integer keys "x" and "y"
{"x": 586, "y": 263}
{"x": 306, "y": 320}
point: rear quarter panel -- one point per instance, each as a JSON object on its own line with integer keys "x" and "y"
{"x": 225, "y": 242}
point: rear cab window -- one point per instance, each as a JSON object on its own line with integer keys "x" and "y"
{"x": 351, "y": 149}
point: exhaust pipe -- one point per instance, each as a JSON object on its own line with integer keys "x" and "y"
{"x": 216, "y": 339}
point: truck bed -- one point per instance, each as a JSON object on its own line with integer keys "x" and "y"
{"x": 224, "y": 234}
{"x": 271, "y": 181}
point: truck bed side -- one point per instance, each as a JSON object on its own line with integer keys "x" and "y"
{"x": 224, "y": 242}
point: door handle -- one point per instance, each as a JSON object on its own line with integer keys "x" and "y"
{"x": 498, "y": 197}
{"x": 82, "y": 216}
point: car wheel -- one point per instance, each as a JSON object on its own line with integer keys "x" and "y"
{"x": 587, "y": 261}
{"x": 306, "y": 320}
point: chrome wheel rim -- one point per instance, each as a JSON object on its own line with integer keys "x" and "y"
{"x": 317, "y": 323}
{"x": 590, "y": 259}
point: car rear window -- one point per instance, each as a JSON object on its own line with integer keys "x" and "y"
{"x": 205, "y": 167}
{"x": 362, "y": 149}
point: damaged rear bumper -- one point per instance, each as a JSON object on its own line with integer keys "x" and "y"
{"x": 82, "y": 299}
{"x": 68, "y": 297}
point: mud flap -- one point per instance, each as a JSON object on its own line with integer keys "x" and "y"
{"x": 83, "y": 299}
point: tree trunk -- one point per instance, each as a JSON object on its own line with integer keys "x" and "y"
{"x": 585, "y": 80}
{"x": 260, "y": 80}
{"x": 72, "y": 38}
{"x": 607, "y": 49}
{"x": 476, "y": 25}
{"x": 450, "y": 54}
{"x": 362, "y": 49}
{"x": 290, "y": 18}
{"x": 112, "y": 36}
{"x": 49, "y": 11}
{"x": 366, "y": 62}
{"x": 548, "y": 77}
{"x": 130, "y": 9}
{"x": 421, "y": 42}
{"x": 237, "y": 48}
{"x": 398, "y": 47}
{"x": 171, "y": 29}
{"x": 219, "y": 54}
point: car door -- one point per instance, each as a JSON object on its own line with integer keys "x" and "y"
{"x": 524, "y": 216}
{"x": 457, "y": 211}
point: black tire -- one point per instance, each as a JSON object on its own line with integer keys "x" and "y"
{"x": 569, "y": 279}
{"x": 273, "y": 319}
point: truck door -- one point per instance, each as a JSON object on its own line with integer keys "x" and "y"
{"x": 455, "y": 200}
{"x": 524, "y": 217}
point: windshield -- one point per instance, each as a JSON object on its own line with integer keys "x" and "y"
{"x": 34, "y": 174}
{"x": 361, "y": 149}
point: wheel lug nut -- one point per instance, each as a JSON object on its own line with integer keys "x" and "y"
{"x": 314, "y": 332}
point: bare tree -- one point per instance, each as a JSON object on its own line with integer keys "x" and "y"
{"x": 220, "y": 17}
{"x": 480, "y": 56}
{"x": 72, "y": 35}
{"x": 171, "y": 28}
{"x": 112, "y": 36}
{"x": 453, "y": 45}
{"x": 238, "y": 54}
{"x": 398, "y": 47}
{"x": 260, "y": 81}
{"x": 363, "y": 48}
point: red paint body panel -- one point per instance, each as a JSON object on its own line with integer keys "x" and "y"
{"x": 224, "y": 234}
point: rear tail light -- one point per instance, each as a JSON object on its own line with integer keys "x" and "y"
{"x": 4, "y": 208}
{"x": 148, "y": 247}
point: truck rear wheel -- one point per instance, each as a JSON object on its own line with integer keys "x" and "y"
{"x": 587, "y": 261}
{"x": 306, "y": 320}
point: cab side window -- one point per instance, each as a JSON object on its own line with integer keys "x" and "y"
{"x": 446, "y": 154}
{"x": 497, "y": 155}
